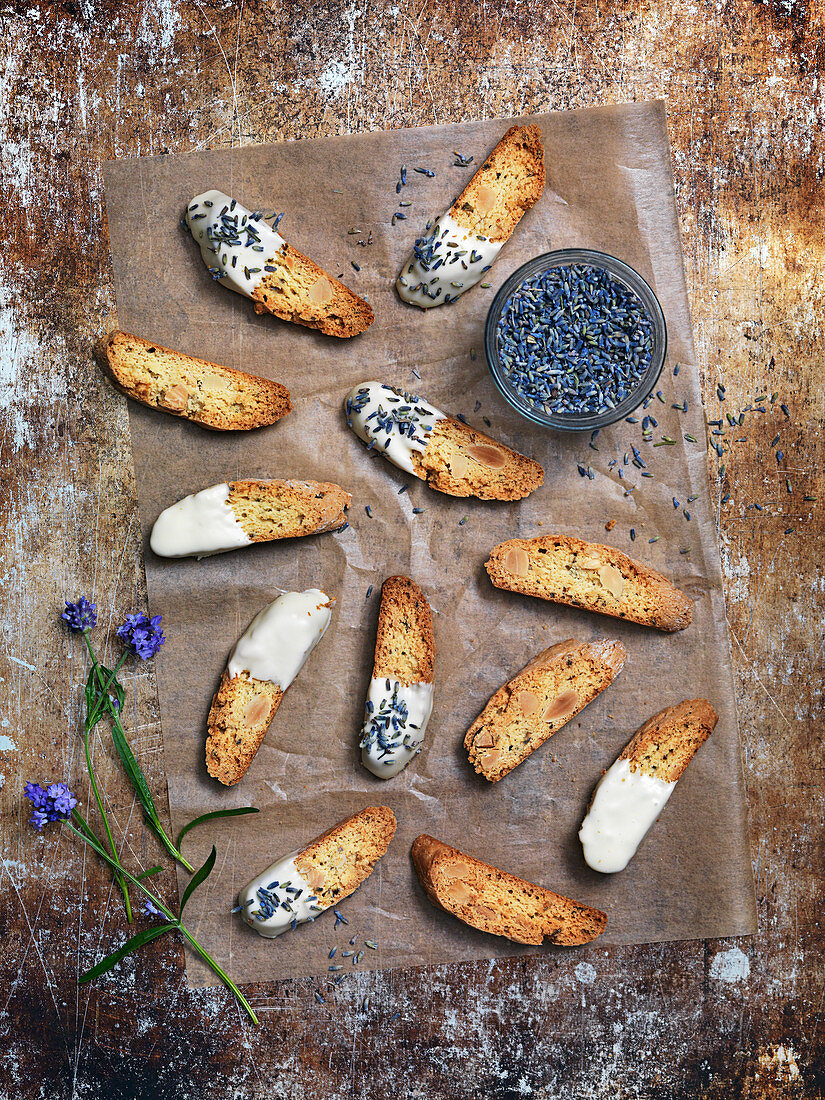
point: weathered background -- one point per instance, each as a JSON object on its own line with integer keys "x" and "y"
{"x": 85, "y": 81}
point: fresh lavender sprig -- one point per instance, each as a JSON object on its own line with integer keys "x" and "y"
{"x": 81, "y": 618}
{"x": 58, "y": 803}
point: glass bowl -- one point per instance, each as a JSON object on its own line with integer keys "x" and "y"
{"x": 623, "y": 273}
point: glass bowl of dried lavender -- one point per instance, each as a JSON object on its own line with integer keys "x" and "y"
{"x": 575, "y": 339}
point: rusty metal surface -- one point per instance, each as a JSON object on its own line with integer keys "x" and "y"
{"x": 84, "y": 81}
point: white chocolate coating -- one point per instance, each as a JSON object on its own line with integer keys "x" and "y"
{"x": 278, "y": 899}
{"x": 236, "y": 244}
{"x": 281, "y": 637}
{"x": 393, "y": 422}
{"x": 395, "y": 722}
{"x": 625, "y": 804}
{"x": 199, "y": 525}
{"x": 445, "y": 262}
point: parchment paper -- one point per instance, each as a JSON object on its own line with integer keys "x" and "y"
{"x": 609, "y": 187}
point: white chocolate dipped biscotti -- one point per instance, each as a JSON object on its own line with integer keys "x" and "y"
{"x": 499, "y": 903}
{"x": 235, "y": 514}
{"x": 400, "y": 695}
{"x": 591, "y": 576}
{"x": 247, "y": 255}
{"x": 446, "y": 453}
{"x": 300, "y": 886}
{"x": 546, "y": 694}
{"x": 263, "y": 663}
{"x": 456, "y": 250}
{"x": 632, "y": 792}
{"x": 206, "y": 393}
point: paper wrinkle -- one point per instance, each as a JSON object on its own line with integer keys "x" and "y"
{"x": 692, "y": 876}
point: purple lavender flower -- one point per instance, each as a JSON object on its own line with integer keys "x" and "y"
{"x": 142, "y": 635}
{"x": 36, "y": 795}
{"x": 62, "y": 799}
{"x": 52, "y": 803}
{"x": 80, "y": 616}
{"x": 151, "y": 910}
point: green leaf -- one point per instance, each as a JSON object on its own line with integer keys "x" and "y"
{"x": 146, "y": 936}
{"x": 98, "y": 701}
{"x": 202, "y": 873}
{"x": 115, "y": 687}
{"x": 146, "y": 874}
{"x": 136, "y": 776}
{"x": 211, "y": 816}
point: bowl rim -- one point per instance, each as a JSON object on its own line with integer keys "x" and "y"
{"x": 626, "y": 274}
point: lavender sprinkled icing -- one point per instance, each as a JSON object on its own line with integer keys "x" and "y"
{"x": 237, "y": 245}
{"x": 446, "y": 261}
{"x": 395, "y": 721}
{"x": 574, "y": 340}
{"x": 279, "y": 899}
{"x": 395, "y": 423}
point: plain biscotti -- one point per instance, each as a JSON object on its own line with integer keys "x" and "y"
{"x": 591, "y": 576}
{"x": 263, "y": 663}
{"x": 246, "y": 254}
{"x": 208, "y": 394}
{"x": 446, "y": 453}
{"x": 456, "y": 250}
{"x": 299, "y": 887}
{"x": 632, "y": 792}
{"x": 237, "y": 513}
{"x": 400, "y": 694}
{"x": 497, "y": 902}
{"x": 554, "y": 687}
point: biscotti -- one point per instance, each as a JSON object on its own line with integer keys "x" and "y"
{"x": 245, "y": 254}
{"x": 263, "y": 663}
{"x": 237, "y": 513}
{"x": 546, "y": 694}
{"x": 631, "y": 793}
{"x": 400, "y": 695}
{"x": 449, "y": 455}
{"x": 499, "y": 903}
{"x": 208, "y": 394}
{"x": 456, "y": 250}
{"x": 301, "y": 886}
{"x": 587, "y": 575}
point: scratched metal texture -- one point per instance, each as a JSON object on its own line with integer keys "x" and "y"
{"x": 85, "y": 80}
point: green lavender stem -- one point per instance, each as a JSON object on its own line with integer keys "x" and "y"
{"x": 121, "y": 881}
{"x": 88, "y": 836}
